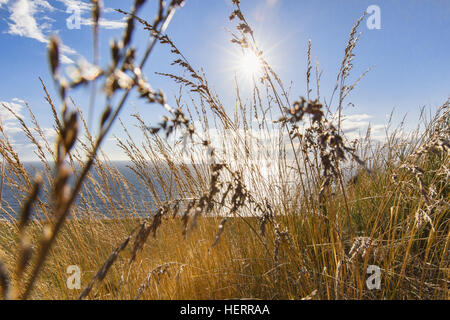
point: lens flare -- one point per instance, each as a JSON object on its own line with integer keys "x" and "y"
{"x": 250, "y": 64}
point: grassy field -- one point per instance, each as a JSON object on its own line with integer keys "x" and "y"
{"x": 298, "y": 255}
{"x": 308, "y": 227}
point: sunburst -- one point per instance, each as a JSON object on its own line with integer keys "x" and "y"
{"x": 250, "y": 64}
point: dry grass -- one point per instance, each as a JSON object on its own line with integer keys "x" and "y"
{"x": 224, "y": 228}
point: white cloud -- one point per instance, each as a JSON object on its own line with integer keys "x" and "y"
{"x": 29, "y": 19}
{"x": 358, "y": 117}
{"x": 13, "y": 130}
{"x": 355, "y": 122}
{"x": 15, "y": 106}
{"x": 107, "y": 24}
{"x": 44, "y": 5}
{"x": 10, "y": 125}
{"x": 23, "y": 21}
{"x": 355, "y": 126}
{"x": 66, "y": 60}
{"x": 85, "y": 8}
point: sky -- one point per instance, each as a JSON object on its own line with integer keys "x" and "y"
{"x": 409, "y": 54}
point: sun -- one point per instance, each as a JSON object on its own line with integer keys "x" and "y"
{"x": 250, "y": 64}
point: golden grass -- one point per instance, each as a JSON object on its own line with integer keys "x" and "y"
{"x": 222, "y": 228}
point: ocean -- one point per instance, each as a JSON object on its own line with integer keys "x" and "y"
{"x": 115, "y": 199}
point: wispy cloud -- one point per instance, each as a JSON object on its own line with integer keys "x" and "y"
{"x": 14, "y": 105}
{"x": 23, "y": 22}
{"x": 30, "y": 19}
{"x": 105, "y": 23}
{"x": 13, "y": 130}
{"x": 85, "y": 9}
{"x": 9, "y": 123}
{"x": 83, "y": 6}
{"x": 356, "y": 125}
{"x": 2, "y": 2}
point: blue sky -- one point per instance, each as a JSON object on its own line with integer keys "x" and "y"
{"x": 410, "y": 53}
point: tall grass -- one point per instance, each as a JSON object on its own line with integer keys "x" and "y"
{"x": 269, "y": 200}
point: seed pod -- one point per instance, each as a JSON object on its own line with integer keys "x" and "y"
{"x": 63, "y": 89}
{"x": 72, "y": 132}
{"x": 26, "y": 210}
{"x": 61, "y": 180}
{"x": 128, "y": 32}
{"x": 4, "y": 280}
{"x": 96, "y": 11}
{"x": 105, "y": 115}
{"x": 47, "y": 233}
{"x": 138, "y": 4}
{"x": 53, "y": 54}
{"x": 25, "y": 253}
{"x": 220, "y": 231}
{"x": 115, "y": 51}
{"x": 177, "y": 4}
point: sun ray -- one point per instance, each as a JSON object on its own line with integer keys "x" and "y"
{"x": 250, "y": 64}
